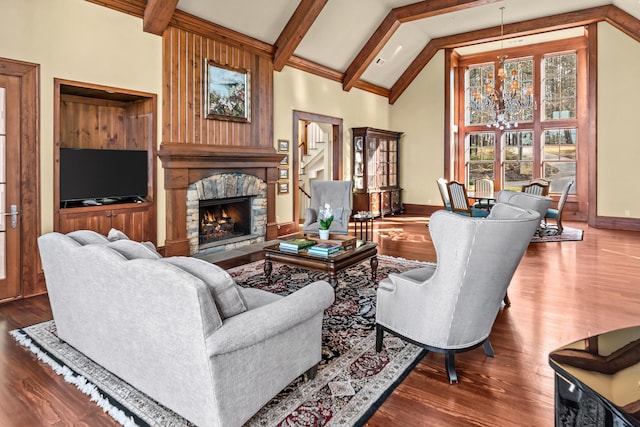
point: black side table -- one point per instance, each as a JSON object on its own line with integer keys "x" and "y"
{"x": 596, "y": 380}
{"x": 361, "y": 219}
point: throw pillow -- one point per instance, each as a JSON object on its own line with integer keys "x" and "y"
{"x": 88, "y": 237}
{"x": 222, "y": 286}
{"x": 133, "y": 250}
{"x": 116, "y": 235}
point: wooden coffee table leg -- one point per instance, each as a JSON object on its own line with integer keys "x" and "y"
{"x": 267, "y": 270}
{"x": 374, "y": 268}
{"x": 333, "y": 279}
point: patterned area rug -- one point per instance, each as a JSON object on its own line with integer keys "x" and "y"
{"x": 550, "y": 234}
{"x": 352, "y": 380}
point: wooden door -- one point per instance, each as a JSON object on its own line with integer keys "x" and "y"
{"x": 10, "y": 224}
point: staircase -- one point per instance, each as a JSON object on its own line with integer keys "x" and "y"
{"x": 315, "y": 165}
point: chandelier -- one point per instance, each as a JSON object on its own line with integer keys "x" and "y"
{"x": 503, "y": 101}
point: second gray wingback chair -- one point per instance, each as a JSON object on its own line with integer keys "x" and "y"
{"x": 534, "y": 202}
{"x": 338, "y": 195}
{"x": 450, "y": 307}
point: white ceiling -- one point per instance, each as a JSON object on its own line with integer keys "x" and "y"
{"x": 344, "y": 26}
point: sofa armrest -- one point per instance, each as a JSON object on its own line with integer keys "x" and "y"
{"x": 264, "y": 322}
{"x": 310, "y": 216}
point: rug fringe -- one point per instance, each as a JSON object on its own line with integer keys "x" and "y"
{"x": 78, "y": 380}
{"x": 406, "y": 260}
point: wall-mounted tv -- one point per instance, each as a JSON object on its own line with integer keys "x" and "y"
{"x": 90, "y": 174}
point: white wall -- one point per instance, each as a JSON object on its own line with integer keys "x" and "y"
{"x": 618, "y": 112}
{"x": 80, "y": 41}
{"x": 297, "y": 90}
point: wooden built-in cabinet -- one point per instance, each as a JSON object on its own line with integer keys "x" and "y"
{"x": 99, "y": 117}
{"x": 376, "y": 186}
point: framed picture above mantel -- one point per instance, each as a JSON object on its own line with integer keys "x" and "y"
{"x": 227, "y": 92}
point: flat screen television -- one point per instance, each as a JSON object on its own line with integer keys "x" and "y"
{"x": 90, "y": 174}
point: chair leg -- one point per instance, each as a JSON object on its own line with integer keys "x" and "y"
{"x": 450, "y": 364}
{"x": 506, "y": 300}
{"x": 488, "y": 350}
{"x": 379, "y": 335}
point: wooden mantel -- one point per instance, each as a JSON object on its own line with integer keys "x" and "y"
{"x": 185, "y": 164}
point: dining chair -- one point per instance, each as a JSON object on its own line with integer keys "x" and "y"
{"x": 483, "y": 185}
{"x": 556, "y": 214}
{"x": 442, "y": 187}
{"x": 460, "y": 202}
{"x": 539, "y": 187}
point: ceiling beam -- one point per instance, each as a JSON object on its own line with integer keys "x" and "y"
{"x": 518, "y": 29}
{"x": 305, "y": 15}
{"x": 393, "y": 20}
{"x": 157, "y": 14}
{"x": 624, "y": 22}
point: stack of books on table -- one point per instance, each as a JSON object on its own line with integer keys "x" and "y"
{"x": 296, "y": 244}
{"x": 324, "y": 249}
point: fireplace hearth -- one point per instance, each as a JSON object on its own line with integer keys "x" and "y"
{"x": 222, "y": 219}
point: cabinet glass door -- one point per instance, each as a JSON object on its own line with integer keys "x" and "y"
{"x": 358, "y": 164}
{"x": 372, "y": 163}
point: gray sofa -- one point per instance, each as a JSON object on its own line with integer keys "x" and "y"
{"x": 180, "y": 329}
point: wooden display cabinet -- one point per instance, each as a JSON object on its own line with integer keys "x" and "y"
{"x": 100, "y": 117}
{"x": 376, "y": 186}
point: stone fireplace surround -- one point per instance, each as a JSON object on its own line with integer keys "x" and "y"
{"x": 225, "y": 186}
{"x": 186, "y": 164}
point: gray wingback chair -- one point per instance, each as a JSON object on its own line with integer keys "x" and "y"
{"x": 338, "y": 195}
{"x": 534, "y": 202}
{"x": 450, "y": 307}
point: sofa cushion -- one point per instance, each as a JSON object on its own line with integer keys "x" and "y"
{"x": 88, "y": 237}
{"x": 133, "y": 250}
{"x": 116, "y": 235}
{"x": 222, "y": 286}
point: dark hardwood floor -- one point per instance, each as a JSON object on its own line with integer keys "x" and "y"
{"x": 560, "y": 293}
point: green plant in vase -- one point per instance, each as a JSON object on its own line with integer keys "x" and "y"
{"x": 326, "y": 218}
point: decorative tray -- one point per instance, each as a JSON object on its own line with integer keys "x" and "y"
{"x": 347, "y": 242}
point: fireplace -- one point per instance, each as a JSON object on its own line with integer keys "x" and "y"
{"x": 195, "y": 173}
{"x": 223, "y": 219}
{"x": 225, "y": 211}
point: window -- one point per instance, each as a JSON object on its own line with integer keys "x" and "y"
{"x": 545, "y": 139}
{"x": 518, "y": 159}
{"x": 480, "y": 157}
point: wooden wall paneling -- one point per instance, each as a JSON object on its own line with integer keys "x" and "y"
{"x": 198, "y": 98}
{"x": 185, "y": 111}
{"x": 168, "y": 97}
{"x": 183, "y": 65}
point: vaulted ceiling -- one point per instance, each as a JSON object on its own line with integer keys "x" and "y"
{"x": 382, "y": 45}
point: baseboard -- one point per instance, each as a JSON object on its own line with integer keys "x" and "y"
{"x": 420, "y": 209}
{"x": 616, "y": 223}
{"x": 288, "y": 228}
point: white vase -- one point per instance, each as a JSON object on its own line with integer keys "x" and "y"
{"x": 324, "y": 234}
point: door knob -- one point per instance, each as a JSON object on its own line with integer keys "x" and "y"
{"x": 13, "y": 213}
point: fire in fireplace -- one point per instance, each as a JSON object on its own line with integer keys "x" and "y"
{"x": 222, "y": 219}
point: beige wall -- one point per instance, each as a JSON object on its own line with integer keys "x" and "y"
{"x": 618, "y": 112}
{"x": 297, "y": 90}
{"x": 419, "y": 114}
{"x": 77, "y": 40}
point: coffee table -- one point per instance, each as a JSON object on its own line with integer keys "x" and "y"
{"x": 332, "y": 264}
